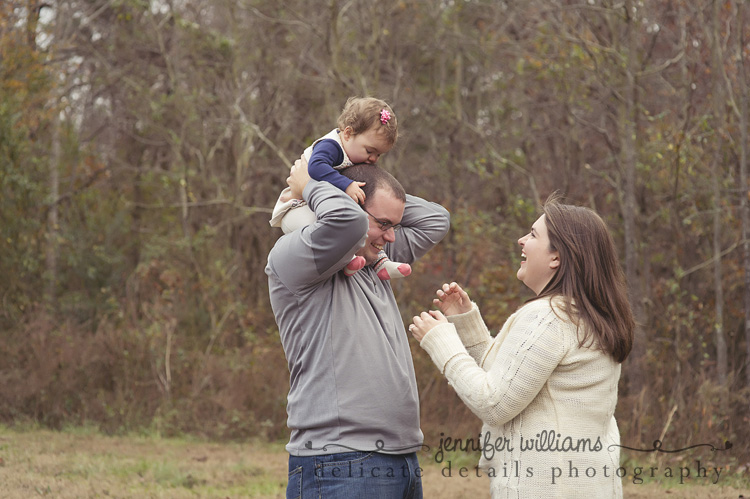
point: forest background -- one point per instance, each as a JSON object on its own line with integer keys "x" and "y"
{"x": 143, "y": 144}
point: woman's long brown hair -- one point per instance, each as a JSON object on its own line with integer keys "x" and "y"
{"x": 589, "y": 279}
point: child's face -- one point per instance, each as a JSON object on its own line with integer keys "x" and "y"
{"x": 365, "y": 147}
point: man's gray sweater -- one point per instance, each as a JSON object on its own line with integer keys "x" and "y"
{"x": 352, "y": 383}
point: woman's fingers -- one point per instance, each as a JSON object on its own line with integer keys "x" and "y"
{"x": 437, "y": 315}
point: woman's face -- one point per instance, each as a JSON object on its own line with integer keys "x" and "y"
{"x": 538, "y": 262}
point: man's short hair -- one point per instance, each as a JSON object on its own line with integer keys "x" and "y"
{"x": 375, "y": 178}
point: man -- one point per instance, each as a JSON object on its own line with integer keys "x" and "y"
{"x": 353, "y": 407}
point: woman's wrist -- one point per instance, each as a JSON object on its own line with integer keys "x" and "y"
{"x": 442, "y": 343}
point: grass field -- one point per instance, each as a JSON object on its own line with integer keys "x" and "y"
{"x": 82, "y": 463}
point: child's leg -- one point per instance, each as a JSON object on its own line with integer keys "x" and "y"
{"x": 291, "y": 214}
{"x": 282, "y": 206}
{"x": 297, "y": 217}
{"x": 386, "y": 269}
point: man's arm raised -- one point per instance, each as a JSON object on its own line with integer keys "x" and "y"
{"x": 312, "y": 254}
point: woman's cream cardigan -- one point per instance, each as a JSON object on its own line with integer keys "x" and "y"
{"x": 547, "y": 403}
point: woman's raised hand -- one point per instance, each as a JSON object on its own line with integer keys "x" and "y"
{"x": 422, "y": 323}
{"x": 452, "y": 299}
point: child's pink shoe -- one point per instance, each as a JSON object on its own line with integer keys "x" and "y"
{"x": 394, "y": 271}
{"x": 387, "y": 269}
{"x": 356, "y": 264}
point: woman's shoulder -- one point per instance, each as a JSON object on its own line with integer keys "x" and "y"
{"x": 545, "y": 310}
{"x": 542, "y": 305}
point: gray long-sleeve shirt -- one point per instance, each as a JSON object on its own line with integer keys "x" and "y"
{"x": 352, "y": 383}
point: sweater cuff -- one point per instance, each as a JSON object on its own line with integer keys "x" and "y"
{"x": 470, "y": 327}
{"x": 442, "y": 343}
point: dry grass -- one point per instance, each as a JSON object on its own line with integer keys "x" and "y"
{"x": 88, "y": 465}
{"x": 85, "y": 464}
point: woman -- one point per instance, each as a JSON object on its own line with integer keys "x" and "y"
{"x": 546, "y": 386}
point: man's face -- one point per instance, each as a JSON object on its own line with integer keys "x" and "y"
{"x": 384, "y": 206}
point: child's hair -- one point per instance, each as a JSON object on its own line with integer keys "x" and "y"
{"x": 363, "y": 113}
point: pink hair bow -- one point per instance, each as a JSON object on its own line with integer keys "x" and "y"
{"x": 385, "y": 115}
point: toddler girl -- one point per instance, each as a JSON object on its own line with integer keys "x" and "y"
{"x": 367, "y": 128}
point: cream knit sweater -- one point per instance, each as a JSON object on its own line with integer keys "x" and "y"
{"x": 547, "y": 403}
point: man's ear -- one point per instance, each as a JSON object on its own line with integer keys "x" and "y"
{"x": 555, "y": 262}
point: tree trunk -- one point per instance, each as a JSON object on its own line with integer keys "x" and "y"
{"x": 53, "y": 228}
{"x": 744, "y": 191}
{"x": 718, "y": 120}
{"x": 630, "y": 211}
{"x": 32, "y": 21}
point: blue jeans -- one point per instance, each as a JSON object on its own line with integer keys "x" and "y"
{"x": 355, "y": 475}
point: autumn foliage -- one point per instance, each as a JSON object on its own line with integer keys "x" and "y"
{"x": 143, "y": 144}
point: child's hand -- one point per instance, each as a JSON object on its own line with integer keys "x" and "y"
{"x": 355, "y": 192}
{"x": 452, "y": 300}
